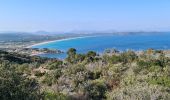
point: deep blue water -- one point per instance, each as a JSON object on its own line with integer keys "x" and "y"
{"x": 120, "y": 42}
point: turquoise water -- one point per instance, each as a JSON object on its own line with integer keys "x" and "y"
{"x": 101, "y": 43}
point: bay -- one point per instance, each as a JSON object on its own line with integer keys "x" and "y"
{"x": 100, "y": 43}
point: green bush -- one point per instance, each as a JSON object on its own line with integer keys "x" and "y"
{"x": 54, "y": 65}
{"x": 128, "y": 57}
{"x": 94, "y": 75}
{"x": 54, "y": 96}
{"x": 14, "y": 86}
{"x": 39, "y": 74}
{"x": 96, "y": 90}
{"x": 48, "y": 79}
{"x": 162, "y": 80}
{"x": 115, "y": 59}
{"x": 57, "y": 73}
{"x": 76, "y": 68}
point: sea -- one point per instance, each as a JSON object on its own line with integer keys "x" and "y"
{"x": 99, "y": 43}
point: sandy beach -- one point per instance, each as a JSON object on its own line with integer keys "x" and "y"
{"x": 47, "y": 42}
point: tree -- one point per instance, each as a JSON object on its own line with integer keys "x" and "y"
{"x": 71, "y": 55}
{"x": 80, "y": 57}
{"x": 90, "y": 56}
{"x": 71, "y": 52}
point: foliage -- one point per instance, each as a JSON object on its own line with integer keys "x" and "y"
{"x": 113, "y": 76}
{"x": 17, "y": 87}
{"x": 71, "y": 55}
{"x": 54, "y": 96}
{"x": 54, "y": 65}
{"x": 39, "y": 74}
{"x": 96, "y": 90}
{"x": 162, "y": 80}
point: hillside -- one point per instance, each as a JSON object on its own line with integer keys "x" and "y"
{"x": 113, "y": 76}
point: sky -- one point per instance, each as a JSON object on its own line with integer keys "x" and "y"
{"x": 84, "y": 15}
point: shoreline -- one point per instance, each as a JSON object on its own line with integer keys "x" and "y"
{"x": 51, "y": 41}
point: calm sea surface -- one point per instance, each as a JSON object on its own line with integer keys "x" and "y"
{"x": 101, "y": 43}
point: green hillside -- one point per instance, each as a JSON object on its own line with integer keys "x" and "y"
{"x": 113, "y": 76}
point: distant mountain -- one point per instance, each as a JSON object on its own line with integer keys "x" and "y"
{"x": 44, "y": 35}
{"x": 42, "y": 32}
{"x": 47, "y": 33}
{"x": 36, "y": 36}
{"x": 91, "y": 31}
{"x": 19, "y": 36}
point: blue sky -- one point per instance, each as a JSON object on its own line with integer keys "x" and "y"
{"x": 97, "y": 15}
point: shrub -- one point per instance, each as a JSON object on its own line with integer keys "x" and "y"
{"x": 48, "y": 79}
{"x": 142, "y": 64}
{"x": 54, "y": 65}
{"x": 14, "y": 86}
{"x": 128, "y": 57}
{"x": 162, "y": 80}
{"x": 54, "y": 96}
{"x": 137, "y": 70}
{"x": 57, "y": 73}
{"x": 80, "y": 57}
{"x": 94, "y": 75}
{"x": 115, "y": 59}
{"x": 139, "y": 91}
{"x": 39, "y": 73}
{"x": 96, "y": 90}
{"x": 76, "y": 68}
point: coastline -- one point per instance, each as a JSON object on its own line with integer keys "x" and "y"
{"x": 65, "y": 39}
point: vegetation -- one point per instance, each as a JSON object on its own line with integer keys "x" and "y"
{"x": 112, "y": 76}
